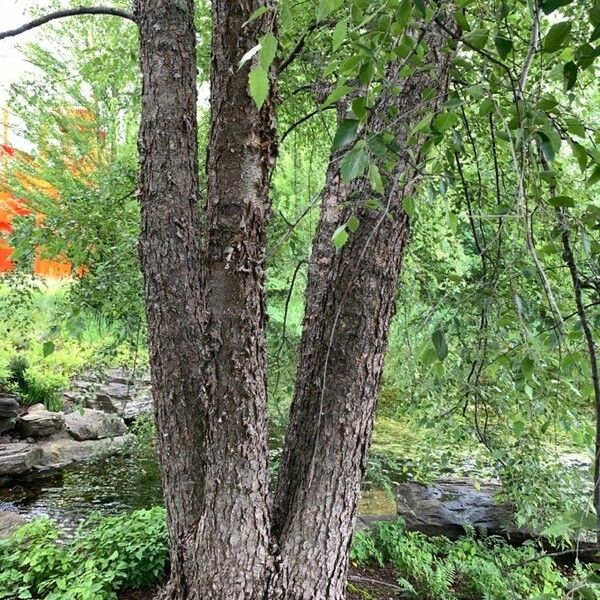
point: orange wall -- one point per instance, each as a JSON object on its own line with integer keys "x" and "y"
{"x": 11, "y": 207}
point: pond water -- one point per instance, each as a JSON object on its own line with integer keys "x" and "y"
{"x": 111, "y": 486}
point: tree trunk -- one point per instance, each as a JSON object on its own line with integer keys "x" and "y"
{"x": 349, "y": 307}
{"x": 207, "y": 321}
{"x": 170, "y": 256}
{"x": 233, "y": 530}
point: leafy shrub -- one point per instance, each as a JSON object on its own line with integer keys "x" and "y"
{"x": 43, "y": 386}
{"x": 121, "y": 552}
{"x": 468, "y": 569}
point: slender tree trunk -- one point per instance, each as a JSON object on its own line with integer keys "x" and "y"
{"x": 349, "y": 307}
{"x": 206, "y": 308}
{"x": 233, "y": 530}
{"x": 170, "y": 256}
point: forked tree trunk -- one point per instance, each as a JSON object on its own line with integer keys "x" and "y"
{"x": 349, "y": 307}
{"x": 206, "y": 309}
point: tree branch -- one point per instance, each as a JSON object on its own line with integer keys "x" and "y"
{"x": 68, "y": 12}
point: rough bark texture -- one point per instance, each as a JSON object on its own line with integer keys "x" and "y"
{"x": 349, "y": 307}
{"x": 233, "y": 531}
{"x": 206, "y": 308}
{"x": 170, "y": 255}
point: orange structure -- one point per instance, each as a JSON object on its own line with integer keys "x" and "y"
{"x": 11, "y": 207}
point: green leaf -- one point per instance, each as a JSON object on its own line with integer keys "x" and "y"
{"x": 268, "y": 50}
{"x": 340, "y": 237}
{"x": 478, "y": 38}
{"x": 549, "y": 6}
{"x": 258, "y": 81}
{"x": 339, "y": 34}
{"x": 48, "y": 348}
{"x": 562, "y": 201}
{"x": 409, "y": 206}
{"x": 337, "y": 94}
{"x": 486, "y": 107}
{"x": 580, "y": 154}
{"x": 355, "y": 163}
{"x": 375, "y": 179}
{"x": 570, "y": 71}
{"x": 403, "y": 14}
{"x": 518, "y": 428}
{"x": 345, "y": 134}
{"x": 547, "y": 146}
{"x": 259, "y": 12}
{"x": 444, "y": 121}
{"x": 504, "y": 46}
{"x": 353, "y": 224}
{"x": 439, "y": 343}
{"x": 359, "y": 107}
{"x": 594, "y": 177}
{"x": 326, "y": 7}
{"x": 557, "y": 36}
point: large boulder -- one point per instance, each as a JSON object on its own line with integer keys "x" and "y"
{"x": 9, "y": 522}
{"x": 446, "y": 506}
{"x": 89, "y": 424}
{"x": 39, "y": 422}
{"x": 17, "y": 458}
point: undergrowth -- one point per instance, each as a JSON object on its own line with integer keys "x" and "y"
{"x": 469, "y": 569}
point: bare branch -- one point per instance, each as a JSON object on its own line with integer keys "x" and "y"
{"x": 68, "y": 12}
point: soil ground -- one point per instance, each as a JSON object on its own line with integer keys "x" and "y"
{"x": 363, "y": 584}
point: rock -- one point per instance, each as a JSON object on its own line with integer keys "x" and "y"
{"x": 114, "y": 392}
{"x": 9, "y": 522}
{"x": 9, "y": 411}
{"x": 16, "y": 458}
{"x": 61, "y": 450}
{"x": 91, "y": 424}
{"x": 7, "y": 425}
{"x": 9, "y": 407}
{"x": 447, "y": 505}
{"x": 40, "y": 422}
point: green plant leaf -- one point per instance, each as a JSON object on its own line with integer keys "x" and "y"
{"x": 355, "y": 163}
{"x": 326, "y": 7}
{"x": 504, "y": 46}
{"x": 268, "y": 50}
{"x": 439, "y": 343}
{"x": 375, "y": 179}
{"x": 353, "y": 224}
{"x": 340, "y": 237}
{"x": 345, "y": 134}
{"x": 444, "y": 121}
{"x": 562, "y": 201}
{"x": 570, "y": 71}
{"x": 258, "y": 81}
{"x": 557, "y": 36}
{"x": 339, "y": 34}
{"x": 259, "y": 12}
{"x": 478, "y": 38}
{"x": 48, "y": 348}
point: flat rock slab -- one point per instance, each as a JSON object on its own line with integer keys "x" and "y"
{"x": 39, "y": 422}
{"x": 89, "y": 424}
{"x": 62, "y": 450}
{"x": 17, "y": 458}
{"x": 446, "y": 506}
{"x": 10, "y": 522}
